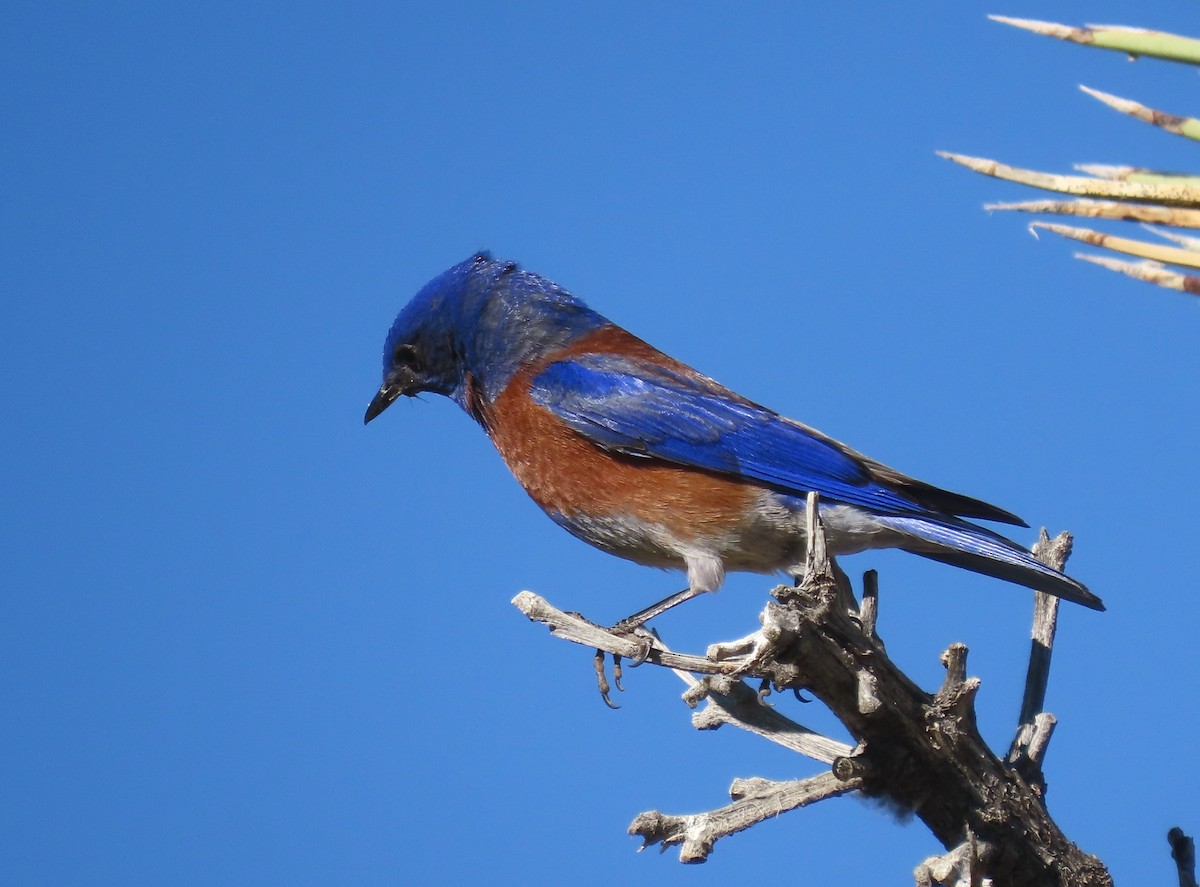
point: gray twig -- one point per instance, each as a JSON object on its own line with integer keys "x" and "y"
{"x": 756, "y": 800}
{"x": 573, "y": 627}
{"x": 960, "y": 867}
{"x": 868, "y": 610}
{"x": 731, "y": 701}
{"x": 1034, "y": 727}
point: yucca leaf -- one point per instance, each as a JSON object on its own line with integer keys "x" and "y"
{"x": 1095, "y": 209}
{"x": 1151, "y": 272}
{"x": 1137, "y": 174}
{"x": 1132, "y": 41}
{"x": 1169, "y": 194}
{"x": 1181, "y": 240}
{"x": 1189, "y": 127}
{"x": 1170, "y": 254}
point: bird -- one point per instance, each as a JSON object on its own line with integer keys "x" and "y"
{"x": 644, "y": 457}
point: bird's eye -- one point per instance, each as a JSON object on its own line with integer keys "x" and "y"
{"x": 406, "y": 356}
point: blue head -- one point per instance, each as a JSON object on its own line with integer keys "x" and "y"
{"x": 472, "y": 327}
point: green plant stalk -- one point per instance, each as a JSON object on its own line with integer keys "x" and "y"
{"x": 1133, "y": 41}
{"x": 1188, "y": 127}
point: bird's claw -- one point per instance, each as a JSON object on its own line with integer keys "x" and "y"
{"x": 639, "y": 635}
{"x": 602, "y": 678}
{"x": 644, "y": 638}
{"x": 645, "y": 648}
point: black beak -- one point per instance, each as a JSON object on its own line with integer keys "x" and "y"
{"x": 387, "y": 393}
{"x": 401, "y": 380}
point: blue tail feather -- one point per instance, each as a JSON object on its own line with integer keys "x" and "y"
{"x": 962, "y": 544}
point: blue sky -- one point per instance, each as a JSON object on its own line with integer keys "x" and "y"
{"x": 246, "y": 640}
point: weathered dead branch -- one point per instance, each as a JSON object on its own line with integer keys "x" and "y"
{"x": 1183, "y": 851}
{"x": 921, "y": 752}
{"x": 1034, "y": 725}
{"x": 755, "y": 801}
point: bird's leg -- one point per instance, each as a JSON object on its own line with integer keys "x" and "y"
{"x": 640, "y": 618}
{"x": 633, "y": 626}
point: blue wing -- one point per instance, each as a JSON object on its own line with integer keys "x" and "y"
{"x": 640, "y": 408}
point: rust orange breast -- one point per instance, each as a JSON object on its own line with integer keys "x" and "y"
{"x": 566, "y": 473}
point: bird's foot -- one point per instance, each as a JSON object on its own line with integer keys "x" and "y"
{"x": 643, "y": 637}
{"x": 640, "y": 635}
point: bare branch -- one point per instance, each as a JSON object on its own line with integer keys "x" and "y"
{"x": 574, "y": 628}
{"x": 1053, "y": 553}
{"x": 868, "y": 610}
{"x": 1033, "y": 728}
{"x": 921, "y": 752}
{"x": 960, "y": 867}
{"x": 1039, "y": 737}
{"x": 1183, "y": 851}
{"x": 730, "y": 701}
{"x": 756, "y": 801}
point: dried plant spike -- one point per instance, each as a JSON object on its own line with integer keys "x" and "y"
{"x": 1188, "y": 127}
{"x": 1172, "y": 255}
{"x": 1181, "y": 240}
{"x": 1082, "y": 186}
{"x": 1150, "y": 272}
{"x": 1101, "y": 209}
{"x": 1106, "y": 171}
{"x": 1136, "y": 174}
{"x": 1135, "y": 42}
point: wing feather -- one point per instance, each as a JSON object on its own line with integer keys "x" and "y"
{"x": 638, "y": 408}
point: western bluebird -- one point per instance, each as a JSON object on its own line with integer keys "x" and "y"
{"x": 643, "y": 457}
